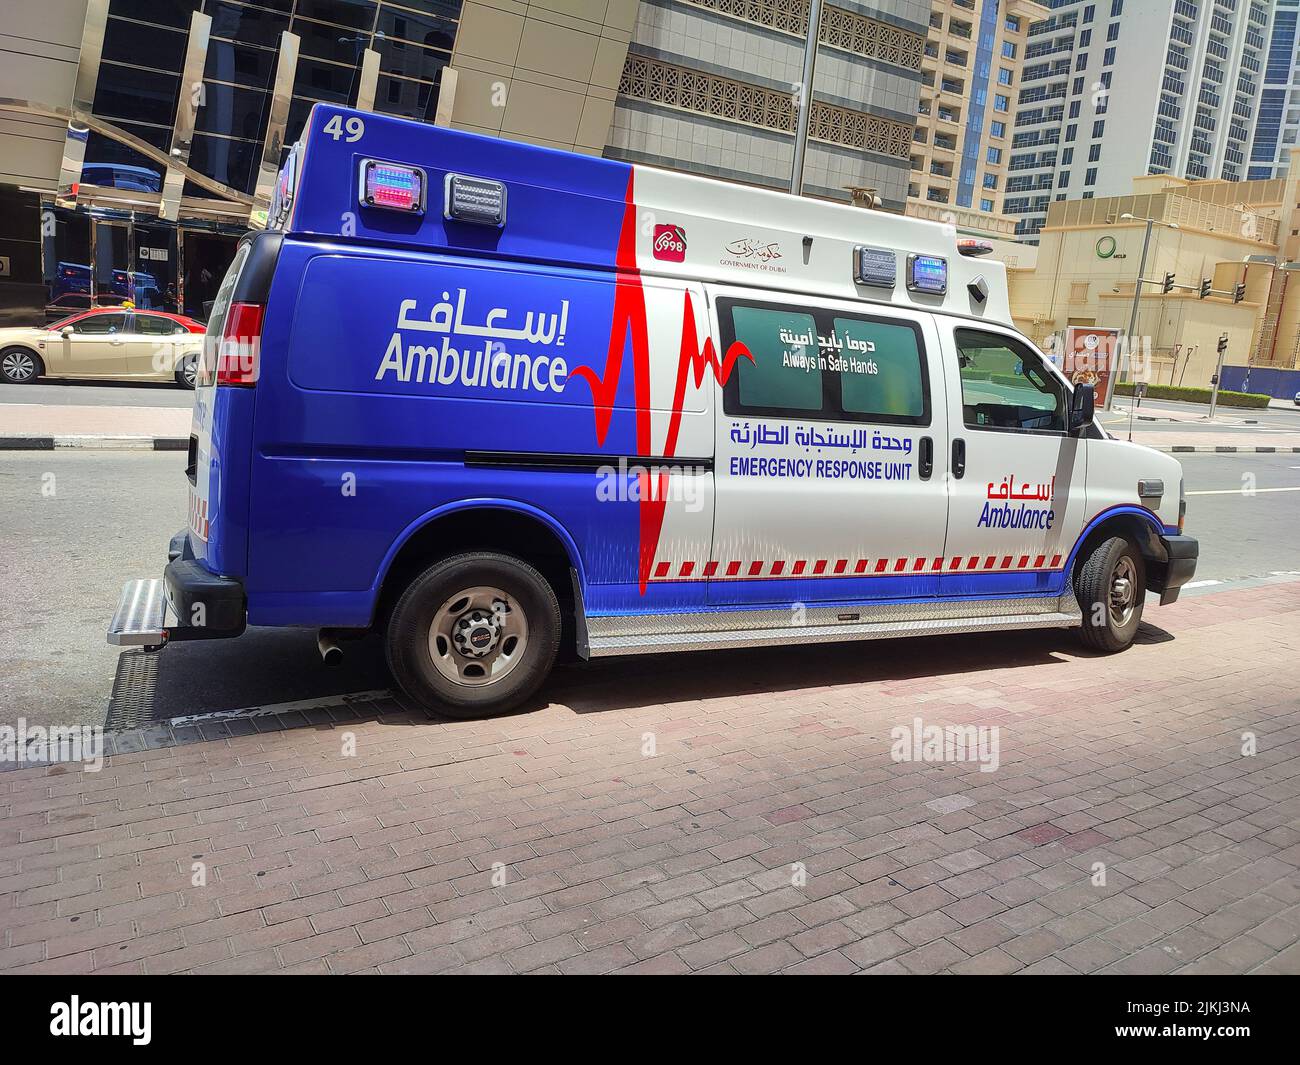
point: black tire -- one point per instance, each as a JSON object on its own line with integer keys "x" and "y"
{"x": 1097, "y": 583}
{"x": 187, "y": 370}
{"x": 13, "y": 362}
{"x": 408, "y": 635}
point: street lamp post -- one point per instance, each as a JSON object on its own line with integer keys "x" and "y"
{"x": 805, "y": 96}
{"x": 1137, "y": 297}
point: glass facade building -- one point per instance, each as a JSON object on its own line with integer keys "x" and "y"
{"x": 106, "y": 242}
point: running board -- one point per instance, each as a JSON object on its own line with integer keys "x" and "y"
{"x": 141, "y": 616}
{"x": 601, "y": 646}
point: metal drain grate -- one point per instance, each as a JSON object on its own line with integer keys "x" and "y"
{"x": 131, "y": 704}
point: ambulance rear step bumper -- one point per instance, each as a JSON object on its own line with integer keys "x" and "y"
{"x": 141, "y": 616}
{"x": 187, "y": 603}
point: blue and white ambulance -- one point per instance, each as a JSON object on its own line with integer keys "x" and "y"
{"x": 494, "y": 400}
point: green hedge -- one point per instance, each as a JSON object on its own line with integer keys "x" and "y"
{"x": 1197, "y": 395}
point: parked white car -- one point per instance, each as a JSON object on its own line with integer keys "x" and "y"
{"x": 114, "y": 343}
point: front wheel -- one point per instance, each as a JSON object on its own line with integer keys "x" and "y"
{"x": 1111, "y": 586}
{"x": 18, "y": 366}
{"x": 474, "y": 635}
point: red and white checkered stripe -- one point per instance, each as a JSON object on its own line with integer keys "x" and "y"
{"x": 756, "y": 569}
{"x": 199, "y": 523}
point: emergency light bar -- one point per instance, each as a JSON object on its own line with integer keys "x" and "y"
{"x": 392, "y": 186}
{"x": 971, "y": 246}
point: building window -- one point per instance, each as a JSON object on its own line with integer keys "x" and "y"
{"x": 1013, "y": 24}
{"x": 1116, "y": 8}
{"x": 1090, "y": 176}
{"x": 1081, "y": 61}
{"x": 990, "y": 181}
{"x": 1001, "y": 103}
{"x": 1067, "y": 156}
{"x": 1085, "y": 38}
{"x": 1004, "y": 76}
{"x": 1008, "y": 50}
{"x": 997, "y": 129}
{"x": 1108, "y": 58}
{"x": 1099, "y": 128}
{"x": 1062, "y": 179}
{"x": 995, "y": 155}
{"x": 1094, "y": 153}
{"x": 1070, "y": 131}
{"x": 1074, "y": 108}
{"x": 1112, "y": 32}
{"x": 986, "y": 206}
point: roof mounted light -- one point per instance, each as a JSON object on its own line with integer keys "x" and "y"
{"x": 927, "y": 274}
{"x": 972, "y": 247}
{"x": 392, "y": 186}
{"x": 481, "y": 201}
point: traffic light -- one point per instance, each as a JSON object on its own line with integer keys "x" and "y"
{"x": 1168, "y": 284}
{"x": 1223, "y": 343}
{"x": 1239, "y": 292}
{"x": 1207, "y": 285}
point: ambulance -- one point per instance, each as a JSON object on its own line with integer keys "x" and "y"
{"x": 501, "y": 403}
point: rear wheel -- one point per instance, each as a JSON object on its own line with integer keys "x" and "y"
{"x": 187, "y": 371}
{"x": 474, "y": 635}
{"x": 1111, "y": 587}
{"x": 20, "y": 366}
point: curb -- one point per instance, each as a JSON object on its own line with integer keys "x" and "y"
{"x": 107, "y": 443}
{"x": 1225, "y": 449}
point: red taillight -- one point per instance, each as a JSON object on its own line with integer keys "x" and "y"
{"x": 241, "y": 341}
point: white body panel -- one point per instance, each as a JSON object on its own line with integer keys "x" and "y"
{"x": 813, "y": 496}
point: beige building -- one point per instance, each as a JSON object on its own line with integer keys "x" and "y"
{"x": 545, "y": 71}
{"x": 1232, "y": 232}
{"x": 970, "y": 90}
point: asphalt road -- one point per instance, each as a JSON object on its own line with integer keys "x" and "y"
{"x": 1154, "y": 415}
{"x": 99, "y": 394}
{"x": 75, "y": 525}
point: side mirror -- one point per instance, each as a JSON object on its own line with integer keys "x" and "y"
{"x": 66, "y": 331}
{"x": 1083, "y": 406}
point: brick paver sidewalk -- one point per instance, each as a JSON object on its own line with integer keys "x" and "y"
{"x": 737, "y": 812}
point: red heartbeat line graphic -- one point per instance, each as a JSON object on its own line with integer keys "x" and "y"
{"x": 693, "y": 360}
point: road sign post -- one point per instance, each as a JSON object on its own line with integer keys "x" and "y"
{"x": 1218, "y": 375}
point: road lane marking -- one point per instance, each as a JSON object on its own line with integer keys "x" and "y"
{"x": 1239, "y": 491}
{"x": 1200, "y": 584}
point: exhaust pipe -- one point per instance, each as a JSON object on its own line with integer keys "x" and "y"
{"x": 331, "y": 654}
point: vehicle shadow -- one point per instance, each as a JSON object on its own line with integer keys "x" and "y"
{"x": 266, "y": 667}
{"x": 649, "y": 680}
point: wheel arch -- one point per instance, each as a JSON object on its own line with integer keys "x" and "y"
{"x": 487, "y": 524}
{"x": 1134, "y": 523}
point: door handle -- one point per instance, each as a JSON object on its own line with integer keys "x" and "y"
{"x": 958, "y": 457}
{"x": 926, "y": 460}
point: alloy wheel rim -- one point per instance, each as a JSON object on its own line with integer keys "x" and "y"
{"x": 19, "y": 366}
{"x": 478, "y": 636}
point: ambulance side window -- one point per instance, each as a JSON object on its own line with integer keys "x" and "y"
{"x": 830, "y": 364}
{"x": 785, "y": 375}
{"x": 1004, "y": 385}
